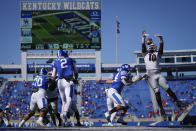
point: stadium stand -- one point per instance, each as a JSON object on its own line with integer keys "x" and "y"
{"x": 93, "y": 100}
{"x": 137, "y": 96}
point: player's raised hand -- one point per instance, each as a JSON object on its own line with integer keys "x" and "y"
{"x": 144, "y": 33}
{"x": 158, "y": 35}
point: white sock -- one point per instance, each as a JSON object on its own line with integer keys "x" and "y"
{"x": 6, "y": 121}
{"x": 113, "y": 115}
{"x": 22, "y": 122}
{"x": 40, "y": 118}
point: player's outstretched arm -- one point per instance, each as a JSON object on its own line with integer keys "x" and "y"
{"x": 161, "y": 43}
{"x": 137, "y": 78}
{"x": 143, "y": 41}
{"x": 126, "y": 82}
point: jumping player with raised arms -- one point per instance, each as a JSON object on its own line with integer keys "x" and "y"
{"x": 154, "y": 77}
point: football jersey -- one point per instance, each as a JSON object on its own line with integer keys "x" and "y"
{"x": 40, "y": 81}
{"x": 95, "y": 33}
{"x": 152, "y": 60}
{"x": 117, "y": 82}
{"x": 51, "y": 94}
{"x": 112, "y": 75}
{"x": 64, "y": 67}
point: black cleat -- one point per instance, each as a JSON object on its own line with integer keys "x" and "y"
{"x": 79, "y": 124}
{"x": 122, "y": 121}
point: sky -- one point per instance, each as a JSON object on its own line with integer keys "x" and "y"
{"x": 174, "y": 19}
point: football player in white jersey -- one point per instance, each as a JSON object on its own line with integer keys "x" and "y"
{"x": 65, "y": 68}
{"x": 155, "y": 79}
{"x": 38, "y": 98}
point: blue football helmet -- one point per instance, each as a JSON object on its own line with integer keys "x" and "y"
{"x": 62, "y": 53}
{"x": 43, "y": 71}
{"x": 126, "y": 67}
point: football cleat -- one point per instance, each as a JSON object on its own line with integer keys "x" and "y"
{"x": 110, "y": 124}
{"x": 79, "y": 124}
{"x": 122, "y": 121}
{"x": 60, "y": 122}
{"x": 107, "y": 116}
{"x": 40, "y": 122}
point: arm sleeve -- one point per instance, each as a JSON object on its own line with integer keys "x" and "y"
{"x": 75, "y": 69}
{"x": 143, "y": 45}
{"x": 126, "y": 82}
{"x": 124, "y": 79}
{"x": 54, "y": 72}
{"x": 161, "y": 46}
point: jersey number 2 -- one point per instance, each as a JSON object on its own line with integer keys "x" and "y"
{"x": 64, "y": 63}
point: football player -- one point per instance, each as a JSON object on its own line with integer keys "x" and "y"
{"x": 122, "y": 78}
{"x": 110, "y": 103}
{"x": 52, "y": 100}
{"x": 65, "y": 67}
{"x": 152, "y": 57}
{"x": 38, "y": 98}
{"x": 73, "y": 108}
{"x": 5, "y": 115}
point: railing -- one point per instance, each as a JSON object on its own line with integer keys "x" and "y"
{"x": 54, "y": 55}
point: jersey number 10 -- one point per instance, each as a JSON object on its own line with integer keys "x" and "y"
{"x": 152, "y": 57}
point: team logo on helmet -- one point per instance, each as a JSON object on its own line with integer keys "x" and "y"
{"x": 62, "y": 53}
{"x": 126, "y": 67}
{"x": 118, "y": 69}
{"x": 43, "y": 71}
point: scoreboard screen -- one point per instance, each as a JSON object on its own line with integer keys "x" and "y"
{"x": 69, "y": 25}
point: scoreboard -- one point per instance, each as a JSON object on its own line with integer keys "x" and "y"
{"x": 65, "y": 24}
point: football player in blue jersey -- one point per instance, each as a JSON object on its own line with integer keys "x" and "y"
{"x": 110, "y": 103}
{"x": 121, "y": 79}
{"x": 38, "y": 98}
{"x": 112, "y": 76}
{"x": 65, "y": 68}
